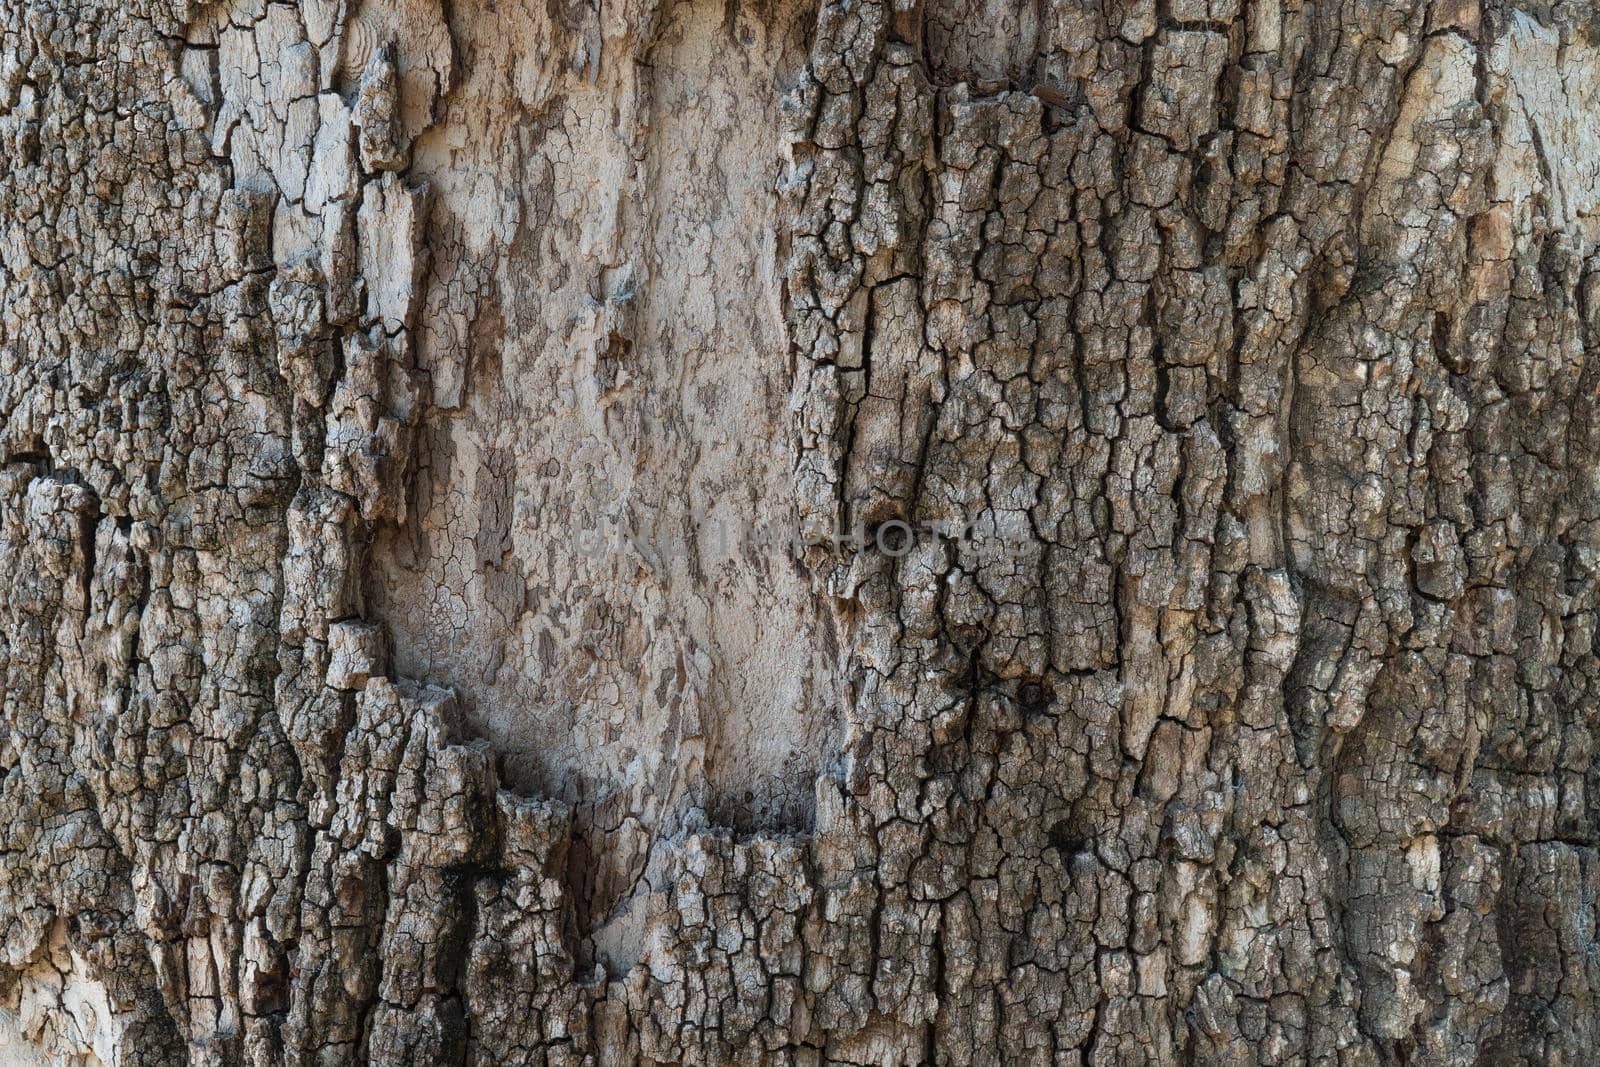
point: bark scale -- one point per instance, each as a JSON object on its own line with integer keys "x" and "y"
{"x": 389, "y": 396}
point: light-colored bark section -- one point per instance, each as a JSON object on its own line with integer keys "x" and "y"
{"x": 386, "y": 394}
{"x": 55, "y": 1014}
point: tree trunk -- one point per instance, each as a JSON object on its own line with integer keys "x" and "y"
{"x": 905, "y": 531}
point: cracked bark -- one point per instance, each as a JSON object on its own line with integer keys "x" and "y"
{"x": 387, "y": 393}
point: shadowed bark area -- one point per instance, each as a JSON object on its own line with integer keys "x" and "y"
{"x": 406, "y": 407}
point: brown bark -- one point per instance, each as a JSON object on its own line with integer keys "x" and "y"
{"x": 403, "y": 408}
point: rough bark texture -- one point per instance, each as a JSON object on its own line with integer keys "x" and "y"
{"x": 386, "y": 389}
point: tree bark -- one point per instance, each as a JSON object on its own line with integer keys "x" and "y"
{"x": 406, "y": 410}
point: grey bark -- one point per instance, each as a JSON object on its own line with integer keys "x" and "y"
{"x": 389, "y": 393}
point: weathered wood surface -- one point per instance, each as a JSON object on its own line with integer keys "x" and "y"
{"x": 389, "y": 391}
